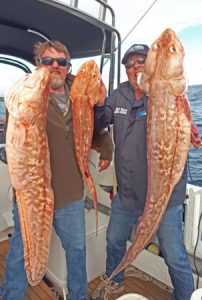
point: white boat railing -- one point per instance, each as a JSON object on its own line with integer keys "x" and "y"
{"x": 98, "y": 8}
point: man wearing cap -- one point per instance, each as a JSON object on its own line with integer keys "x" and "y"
{"x": 126, "y": 109}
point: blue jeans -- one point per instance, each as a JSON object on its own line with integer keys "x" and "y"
{"x": 171, "y": 244}
{"x": 69, "y": 224}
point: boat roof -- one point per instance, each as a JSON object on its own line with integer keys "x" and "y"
{"x": 24, "y": 22}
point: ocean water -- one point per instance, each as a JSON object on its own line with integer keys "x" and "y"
{"x": 195, "y": 156}
{"x": 2, "y": 110}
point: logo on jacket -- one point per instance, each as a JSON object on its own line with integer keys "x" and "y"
{"x": 120, "y": 110}
{"x": 142, "y": 113}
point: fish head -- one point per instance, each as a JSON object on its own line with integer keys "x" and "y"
{"x": 170, "y": 55}
{"x": 165, "y": 60}
{"x": 30, "y": 91}
{"x": 87, "y": 82}
{"x": 35, "y": 90}
{"x": 38, "y": 82}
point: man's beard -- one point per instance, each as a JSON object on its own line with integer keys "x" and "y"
{"x": 56, "y": 83}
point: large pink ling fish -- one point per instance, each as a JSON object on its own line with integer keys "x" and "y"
{"x": 168, "y": 134}
{"x": 84, "y": 95}
{"x": 29, "y": 167}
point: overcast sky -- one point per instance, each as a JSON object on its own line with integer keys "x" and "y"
{"x": 183, "y": 16}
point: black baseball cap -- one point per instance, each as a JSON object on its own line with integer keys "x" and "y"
{"x": 135, "y": 49}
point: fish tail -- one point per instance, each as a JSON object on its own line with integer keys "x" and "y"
{"x": 145, "y": 230}
{"x": 141, "y": 239}
{"x": 36, "y": 250}
{"x": 91, "y": 188}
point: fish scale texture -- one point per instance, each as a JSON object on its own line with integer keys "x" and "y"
{"x": 29, "y": 167}
{"x": 168, "y": 134}
{"x": 84, "y": 95}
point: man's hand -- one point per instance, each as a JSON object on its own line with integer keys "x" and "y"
{"x": 195, "y": 138}
{"x": 102, "y": 93}
{"x": 103, "y": 164}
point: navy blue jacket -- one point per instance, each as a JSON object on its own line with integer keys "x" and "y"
{"x": 129, "y": 119}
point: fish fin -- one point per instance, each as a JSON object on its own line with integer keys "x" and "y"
{"x": 195, "y": 138}
{"x": 91, "y": 188}
{"x": 182, "y": 104}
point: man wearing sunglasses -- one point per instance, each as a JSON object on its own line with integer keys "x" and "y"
{"x": 67, "y": 183}
{"x": 126, "y": 109}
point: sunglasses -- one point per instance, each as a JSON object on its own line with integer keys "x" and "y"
{"x": 130, "y": 63}
{"x": 48, "y": 61}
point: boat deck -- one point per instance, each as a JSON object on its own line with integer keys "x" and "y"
{"x": 135, "y": 282}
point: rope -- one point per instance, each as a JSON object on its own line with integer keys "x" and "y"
{"x": 107, "y": 286}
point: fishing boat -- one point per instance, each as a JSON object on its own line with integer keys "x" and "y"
{"x": 22, "y": 23}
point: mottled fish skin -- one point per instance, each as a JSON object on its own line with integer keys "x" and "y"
{"x": 29, "y": 167}
{"x": 168, "y": 134}
{"x": 84, "y": 95}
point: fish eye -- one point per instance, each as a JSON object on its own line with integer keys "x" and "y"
{"x": 172, "y": 49}
{"x": 156, "y": 46}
